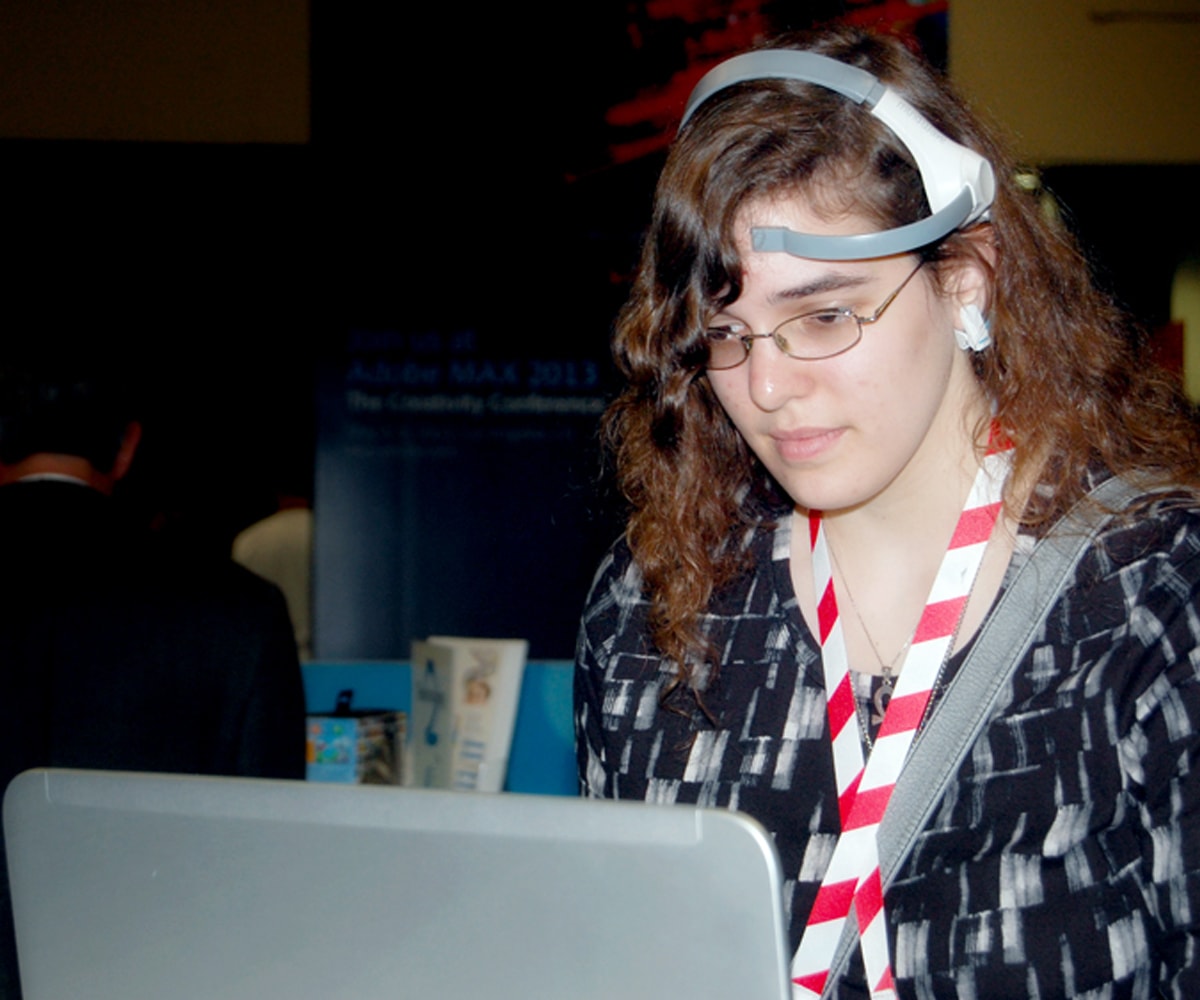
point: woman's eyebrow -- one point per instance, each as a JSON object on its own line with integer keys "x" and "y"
{"x": 826, "y": 283}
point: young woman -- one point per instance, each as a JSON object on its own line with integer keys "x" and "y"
{"x": 870, "y": 390}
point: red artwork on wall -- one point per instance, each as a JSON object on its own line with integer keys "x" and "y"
{"x": 672, "y": 43}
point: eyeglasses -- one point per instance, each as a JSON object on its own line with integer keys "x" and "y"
{"x": 812, "y": 336}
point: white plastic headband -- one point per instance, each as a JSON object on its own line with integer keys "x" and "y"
{"x": 959, "y": 183}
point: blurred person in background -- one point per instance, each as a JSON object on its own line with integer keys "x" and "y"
{"x": 117, "y": 652}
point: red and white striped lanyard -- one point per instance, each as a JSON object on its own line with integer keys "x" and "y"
{"x": 863, "y": 791}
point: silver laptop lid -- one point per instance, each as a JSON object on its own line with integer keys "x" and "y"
{"x": 135, "y": 885}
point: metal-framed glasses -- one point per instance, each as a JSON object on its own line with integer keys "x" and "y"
{"x": 812, "y": 336}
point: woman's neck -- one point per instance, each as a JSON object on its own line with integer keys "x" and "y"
{"x": 886, "y": 555}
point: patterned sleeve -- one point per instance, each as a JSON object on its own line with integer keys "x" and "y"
{"x": 596, "y": 632}
{"x": 1160, "y": 752}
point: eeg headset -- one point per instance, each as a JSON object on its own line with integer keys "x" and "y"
{"x": 959, "y": 183}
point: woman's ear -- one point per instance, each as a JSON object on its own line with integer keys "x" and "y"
{"x": 968, "y": 280}
{"x": 972, "y": 330}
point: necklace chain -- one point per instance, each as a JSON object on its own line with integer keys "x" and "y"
{"x": 885, "y": 668}
{"x": 883, "y": 694}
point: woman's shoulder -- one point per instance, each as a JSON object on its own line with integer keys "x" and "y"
{"x": 1130, "y": 518}
{"x": 1143, "y": 550}
{"x": 618, "y": 579}
{"x": 1127, "y": 611}
{"x": 1155, "y": 527}
{"x": 618, "y": 599}
{"x": 617, "y": 582}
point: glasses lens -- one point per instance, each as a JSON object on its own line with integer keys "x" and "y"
{"x": 724, "y": 350}
{"x": 818, "y": 335}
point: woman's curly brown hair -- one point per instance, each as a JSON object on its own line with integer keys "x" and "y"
{"x": 1063, "y": 374}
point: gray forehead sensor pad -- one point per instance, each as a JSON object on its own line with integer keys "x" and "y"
{"x": 959, "y": 183}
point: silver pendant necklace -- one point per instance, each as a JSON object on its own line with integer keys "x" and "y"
{"x": 882, "y": 694}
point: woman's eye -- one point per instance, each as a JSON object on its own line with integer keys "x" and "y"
{"x": 726, "y": 331}
{"x": 826, "y": 317}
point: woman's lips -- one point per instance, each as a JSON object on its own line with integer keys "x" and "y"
{"x": 806, "y": 443}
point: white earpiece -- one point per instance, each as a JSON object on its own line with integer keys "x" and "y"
{"x": 974, "y": 334}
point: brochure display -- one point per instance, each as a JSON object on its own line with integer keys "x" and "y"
{"x": 464, "y": 707}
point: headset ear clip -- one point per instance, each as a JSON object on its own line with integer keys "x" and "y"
{"x": 973, "y": 332}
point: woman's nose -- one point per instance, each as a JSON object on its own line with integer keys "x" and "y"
{"x": 773, "y": 376}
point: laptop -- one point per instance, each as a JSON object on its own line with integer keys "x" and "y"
{"x": 184, "y": 887}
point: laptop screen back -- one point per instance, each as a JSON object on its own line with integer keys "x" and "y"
{"x": 134, "y": 885}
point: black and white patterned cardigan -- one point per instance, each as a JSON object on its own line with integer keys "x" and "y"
{"x": 1065, "y": 859}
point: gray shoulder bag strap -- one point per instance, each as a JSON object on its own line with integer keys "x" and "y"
{"x": 972, "y": 695}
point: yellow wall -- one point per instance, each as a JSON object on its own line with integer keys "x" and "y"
{"x": 1185, "y": 309}
{"x": 1093, "y": 81}
{"x": 157, "y": 70}
{"x": 1075, "y": 89}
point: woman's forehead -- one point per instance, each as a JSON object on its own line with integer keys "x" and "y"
{"x": 796, "y": 212}
{"x": 800, "y": 212}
